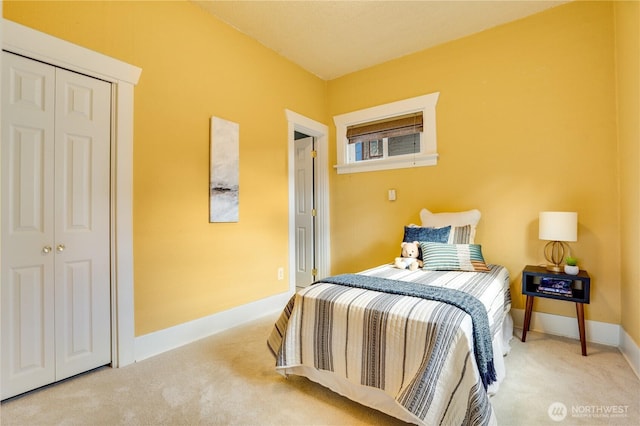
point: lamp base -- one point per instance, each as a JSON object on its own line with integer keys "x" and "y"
{"x": 554, "y": 268}
{"x": 554, "y": 253}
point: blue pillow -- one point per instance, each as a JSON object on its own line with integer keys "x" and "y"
{"x": 430, "y": 235}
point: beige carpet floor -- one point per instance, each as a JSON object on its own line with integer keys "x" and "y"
{"x": 229, "y": 379}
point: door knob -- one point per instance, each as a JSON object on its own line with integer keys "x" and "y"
{"x": 60, "y": 248}
{"x": 46, "y": 249}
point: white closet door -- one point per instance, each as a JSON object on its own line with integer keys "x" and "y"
{"x": 82, "y": 268}
{"x": 55, "y": 291}
{"x": 27, "y": 225}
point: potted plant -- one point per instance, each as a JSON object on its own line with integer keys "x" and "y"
{"x": 571, "y": 266}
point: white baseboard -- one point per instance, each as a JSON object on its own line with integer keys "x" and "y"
{"x": 630, "y": 351}
{"x": 597, "y": 332}
{"x": 161, "y": 341}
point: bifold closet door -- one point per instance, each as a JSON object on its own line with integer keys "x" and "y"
{"x": 55, "y": 289}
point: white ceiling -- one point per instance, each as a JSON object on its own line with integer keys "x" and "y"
{"x": 334, "y": 38}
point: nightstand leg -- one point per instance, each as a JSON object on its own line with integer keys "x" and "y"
{"x": 583, "y": 337}
{"x": 527, "y": 317}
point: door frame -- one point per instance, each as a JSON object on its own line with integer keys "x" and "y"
{"x": 123, "y": 77}
{"x": 320, "y": 132}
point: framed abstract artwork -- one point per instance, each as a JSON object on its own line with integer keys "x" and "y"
{"x": 224, "y": 171}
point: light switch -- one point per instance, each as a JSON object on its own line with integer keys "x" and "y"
{"x": 392, "y": 195}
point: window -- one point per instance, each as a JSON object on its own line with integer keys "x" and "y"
{"x": 396, "y": 135}
{"x": 385, "y": 138}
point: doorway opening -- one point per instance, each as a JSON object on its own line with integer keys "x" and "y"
{"x": 317, "y": 134}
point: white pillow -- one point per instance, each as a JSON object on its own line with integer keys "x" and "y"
{"x": 453, "y": 219}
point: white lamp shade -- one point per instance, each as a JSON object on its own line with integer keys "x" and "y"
{"x": 558, "y": 226}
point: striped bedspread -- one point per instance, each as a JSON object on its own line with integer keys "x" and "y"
{"x": 418, "y": 352}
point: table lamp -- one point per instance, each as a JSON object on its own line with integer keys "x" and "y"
{"x": 557, "y": 228}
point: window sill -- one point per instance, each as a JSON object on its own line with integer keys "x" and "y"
{"x": 388, "y": 164}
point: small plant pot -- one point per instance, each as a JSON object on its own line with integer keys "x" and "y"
{"x": 571, "y": 270}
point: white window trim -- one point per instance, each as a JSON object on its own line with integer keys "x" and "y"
{"x": 429, "y": 152}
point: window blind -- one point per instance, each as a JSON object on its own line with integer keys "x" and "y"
{"x": 396, "y": 126}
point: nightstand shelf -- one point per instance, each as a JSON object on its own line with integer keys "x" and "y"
{"x": 538, "y": 282}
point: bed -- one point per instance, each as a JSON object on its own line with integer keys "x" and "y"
{"x": 424, "y": 346}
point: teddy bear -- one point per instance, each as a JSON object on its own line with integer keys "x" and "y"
{"x": 409, "y": 259}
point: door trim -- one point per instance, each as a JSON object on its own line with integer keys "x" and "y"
{"x": 36, "y": 45}
{"x": 319, "y": 131}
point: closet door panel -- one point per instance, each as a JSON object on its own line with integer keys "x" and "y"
{"x": 83, "y": 292}
{"x": 27, "y": 273}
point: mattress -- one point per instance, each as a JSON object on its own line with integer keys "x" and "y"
{"x": 409, "y": 357}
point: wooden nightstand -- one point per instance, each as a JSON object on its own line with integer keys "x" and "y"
{"x": 554, "y": 286}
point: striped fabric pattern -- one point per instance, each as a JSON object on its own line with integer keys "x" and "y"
{"x": 481, "y": 333}
{"x": 419, "y": 352}
{"x": 453, "y": 257}
{"x": 460, "y": 235}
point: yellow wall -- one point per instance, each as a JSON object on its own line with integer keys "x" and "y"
{"x": 194, "y": 66}
{"x": 627, "y": 21}
{"x": 526, "y": 122}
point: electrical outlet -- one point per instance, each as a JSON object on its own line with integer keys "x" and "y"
{"x": 280, "y": 273}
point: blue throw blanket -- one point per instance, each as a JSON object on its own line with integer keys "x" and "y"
{"x": 483, "y": 349}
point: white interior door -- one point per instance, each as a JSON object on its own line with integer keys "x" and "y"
{"x": 304, "y": 208}
{"x": 55, "y": 289}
